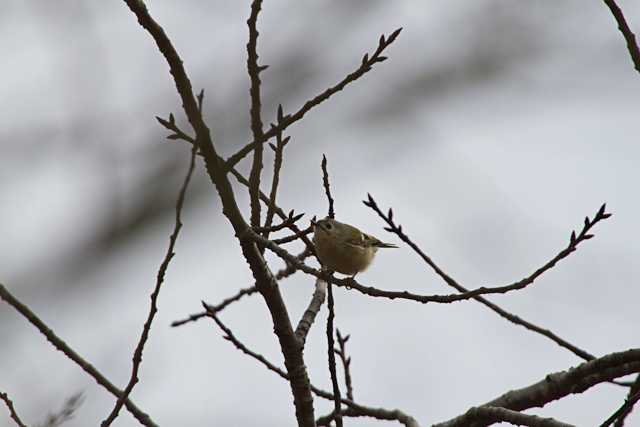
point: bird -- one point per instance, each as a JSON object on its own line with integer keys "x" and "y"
{"x": 343, "y": 248}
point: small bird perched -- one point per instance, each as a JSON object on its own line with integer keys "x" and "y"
{"x": 344, "y": 248}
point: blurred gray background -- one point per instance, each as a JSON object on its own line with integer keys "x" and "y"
{"x": 492, "y": 130}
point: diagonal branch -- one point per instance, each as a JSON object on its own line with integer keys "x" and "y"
{"x": 377, "y": 413}
{"x": 300, "y": 234}
{"x": 59, "y": 344}
{"x": 153, "y": 309}
{"x": 350, "y": 283}
{"x": 632, "y": 398}
{"x": 574, "y": 241}
{"x": 282, "y": 274}
{"x": 494, "y": 307}
{"x": 270, "y": 228}
{"x": 560, "y": 384}
{"x": 12, "y": 409}
{"x": 309, "y": 316}
{"x": 629, "y": 37}
{"x": 365, "y": 66}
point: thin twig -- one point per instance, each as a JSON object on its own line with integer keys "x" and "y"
{"x": 309, "y": 316}
{"x": 296, "y": 236}
{"x": 153, "y": 309}
{"x": 560, "y": 384}
{"x": 491, "y": 414}
{"x": 377, "y": 413}
{"x": 12, "y": 409}
{"x": 282, "y": 274}
{"x": 59, "y": 344}
{"x": 301, "y": 234}
{"x": 216, "y": 308}
{"x": 327, "y": 188}
{"x": 332, "y": 357}
{"x": 365, "y": 66}
{"x": 350, "y": 283}
{"x": 632, "y": 398}
{"x": 278, "y": 150}
{"x": 346, "y": 362}
{"x": 574, "y": 241}
{"x": 256, "y": 120}
{"x": 291, "y": 219}
{"x": 298, "y": 233}
{"x": 494, "y": 307}
{"x": 629, "y": 37}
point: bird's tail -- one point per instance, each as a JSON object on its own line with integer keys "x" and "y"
{"x": 380, "y": 244}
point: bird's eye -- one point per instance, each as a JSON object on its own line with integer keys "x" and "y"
{"x": 328, "y": 226}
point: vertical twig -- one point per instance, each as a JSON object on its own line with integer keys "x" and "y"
{"x": 277, "y": 165}
{"x": 330, "y": 317}
{"x": 346, "y": 362}
{"x": 327, "y": 189}
{"x": 332, "y": 358}
{"x": 256, "y": 120}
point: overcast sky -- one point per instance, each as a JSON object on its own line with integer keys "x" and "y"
{"x": 493, "y": 129}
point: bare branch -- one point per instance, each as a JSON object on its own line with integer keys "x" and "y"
{"x": 494, "y": 307}
{"x": 327, "y": 188}
{"x": 350, "y": 283}
{"x": 491, "y": 414}
{"x": 291, "y": 219}
{"x": 377, "y": 413}
{"x": 365, "y": 66}
{"x": 560, "y": 384}
{"x": 216, "y": 308}
{"x": 12, "y": 409}
{"x": 256, "y": 119}
{"x": 282, "y": 274}
{"x": 59, "y": 344}
{"x": 299, "y": 234}
{"x": 153, "y": 309}
{"x": 332, "y": 358}
{"x": 632, "y": 398}
{"x": 309, "y": 316}
{"x": 277, "y": 166}
{"x": 629, "y": 37}
{"x": 346, "y": 362}
{"x": 296, "y": 236}
{"x": 574, "y": 241}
